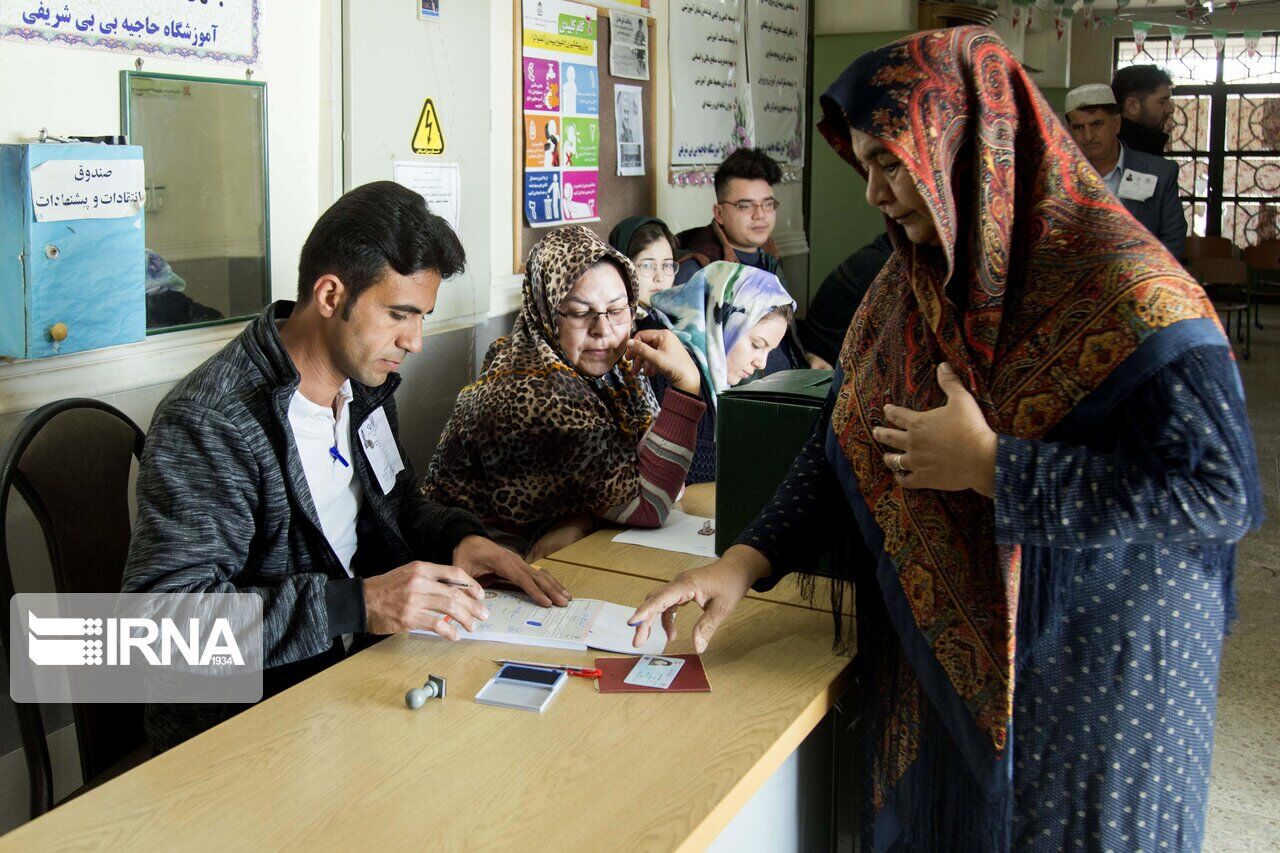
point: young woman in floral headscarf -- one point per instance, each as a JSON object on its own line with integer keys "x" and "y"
{"x": 729, "y": 317}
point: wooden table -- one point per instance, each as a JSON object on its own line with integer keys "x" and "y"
{"x": 340, "y": 762}
{"x": 599, "y": 551}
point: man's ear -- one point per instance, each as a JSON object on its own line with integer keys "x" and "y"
{"x": 716, "y": 215}
{"x": 328, "y": 295}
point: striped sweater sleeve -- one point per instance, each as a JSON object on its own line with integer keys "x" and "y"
{"x": 665, "y": 454}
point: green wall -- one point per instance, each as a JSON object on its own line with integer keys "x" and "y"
{"x": 841, "y": 221}
{"x": 1057, "y": 98}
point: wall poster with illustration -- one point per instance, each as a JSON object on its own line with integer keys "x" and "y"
{"x": 561, "y": 112}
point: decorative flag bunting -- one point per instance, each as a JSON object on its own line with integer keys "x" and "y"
{"x": 1064, "y": 21}
{"x": 1105, "y": 21}
{"x": 1220, "y": 41}
{"x": 1251, "y": 39}
{"x": 1140, "y": 30}
{"x": 1120, "y": 4}
{"x": 1176, "y": 34}
{"x": 1088, "y": 14}
{"x": 1191, "y": 10}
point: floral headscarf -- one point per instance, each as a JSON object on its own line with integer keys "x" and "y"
{"x": 713, "y": 310}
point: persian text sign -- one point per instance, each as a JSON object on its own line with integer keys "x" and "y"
{"x": 219, "y": 30}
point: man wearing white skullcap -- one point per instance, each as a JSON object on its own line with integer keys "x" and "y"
{"x": 1146, "y": 184}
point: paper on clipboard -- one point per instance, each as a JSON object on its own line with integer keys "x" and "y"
{"x": 681, "y": 533}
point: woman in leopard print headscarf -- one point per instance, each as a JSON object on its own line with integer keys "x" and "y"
{"x": 562, "y": 426}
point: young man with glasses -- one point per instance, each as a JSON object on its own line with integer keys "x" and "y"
{"x": 741, "y": 231}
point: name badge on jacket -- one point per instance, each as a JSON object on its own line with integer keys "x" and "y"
{"x": 1137, "y": 186}
{"x": 380, "y": 449}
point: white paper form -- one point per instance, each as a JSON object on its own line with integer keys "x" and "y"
{"x": 681, "y": 533}
{"x": 611, "y": 633}
{"x": 584, "y": 623}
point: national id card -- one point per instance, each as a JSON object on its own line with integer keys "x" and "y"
{"x": 654, "y": 671}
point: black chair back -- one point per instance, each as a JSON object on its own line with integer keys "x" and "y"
{"x": 70, "y": 461}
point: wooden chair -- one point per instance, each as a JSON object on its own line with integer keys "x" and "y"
{"x": 1226, "y": 280}
{"x": 1264, "y": 273}
{"x": 70, "y": 461}
{"x": 1207, "y": 247}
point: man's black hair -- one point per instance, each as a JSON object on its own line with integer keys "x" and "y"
{"x": 373, "y": 228}
{"x": 1138, "y": 81}
{"x": 749, "y": 164}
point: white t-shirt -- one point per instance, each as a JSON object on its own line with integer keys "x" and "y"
{"x": 335, "y": 491}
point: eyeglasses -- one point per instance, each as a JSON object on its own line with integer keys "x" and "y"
{"x": 769, "y": 205}
{"x": 587, "y": 319}
{"x": 650, "y": 268}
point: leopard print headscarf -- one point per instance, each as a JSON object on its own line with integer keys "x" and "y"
{"x": 534, "y": 439}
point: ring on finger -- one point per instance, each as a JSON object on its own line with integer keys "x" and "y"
{"x": 897, "y": 464}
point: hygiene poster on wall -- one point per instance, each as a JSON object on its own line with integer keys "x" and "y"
{"x": 561, "y": 117}
{"x": 222, "y": 31}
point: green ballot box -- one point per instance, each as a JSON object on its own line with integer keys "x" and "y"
{"x": 760, "y": 427}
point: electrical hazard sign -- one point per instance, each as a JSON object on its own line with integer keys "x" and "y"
{"x": 428, "y": 138}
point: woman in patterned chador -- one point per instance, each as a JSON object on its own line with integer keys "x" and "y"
{"x": 1040, "y": 433}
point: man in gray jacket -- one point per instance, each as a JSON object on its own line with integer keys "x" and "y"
{"x": 275, "y": 467}
{"x": 1147, "y": 185}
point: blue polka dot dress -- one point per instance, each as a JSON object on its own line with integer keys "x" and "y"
{"x": 1127, "y": 531}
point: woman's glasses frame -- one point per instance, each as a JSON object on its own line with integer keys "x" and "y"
{"x": 649, "y": 269}
{"x": 586, "y": 319}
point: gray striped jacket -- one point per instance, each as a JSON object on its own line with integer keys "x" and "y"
{"x": 223, "y": 506}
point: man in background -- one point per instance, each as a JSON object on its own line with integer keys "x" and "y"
{"x": 741, "y": 231}
{"x": 1144, "y": 94}
{"x": 1146, "y": 184}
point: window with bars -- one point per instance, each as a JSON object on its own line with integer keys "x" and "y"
{"x": 1226, "y": 135}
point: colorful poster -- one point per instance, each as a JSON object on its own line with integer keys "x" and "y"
{"x": 710, "y": 98}
{"x": 580, "y": 93}
{"x": 226, "y": 31}
{"x": 581, "y": 144}
{"x": 561, "y": 112}
{"x": 776, "y": 56}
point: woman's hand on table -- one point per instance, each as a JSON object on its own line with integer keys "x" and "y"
{"x": 561, "y": 535}
{"x": 659, "y": 352}
{"x": 950, "y": 448}
{"x": 717, "y": 588}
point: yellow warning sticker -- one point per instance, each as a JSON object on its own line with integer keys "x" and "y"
{"x": 428, "y": 138}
